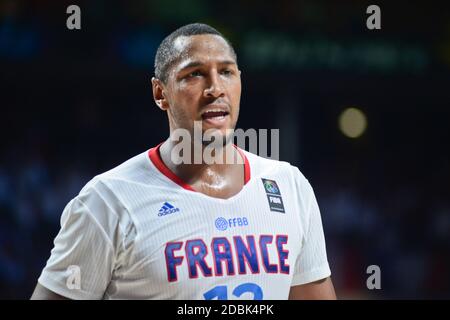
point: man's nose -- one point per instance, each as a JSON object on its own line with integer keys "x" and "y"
{"x": 215, "y": 86}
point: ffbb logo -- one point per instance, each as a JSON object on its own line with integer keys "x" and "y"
{"x": 223, "y": 224}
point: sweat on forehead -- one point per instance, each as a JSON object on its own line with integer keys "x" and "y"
{"x": 181, "y": 47}
{"x": 186, "y": 46}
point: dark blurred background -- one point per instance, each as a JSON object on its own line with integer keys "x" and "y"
{"x": 75, "y": 103}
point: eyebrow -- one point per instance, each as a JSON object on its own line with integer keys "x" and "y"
{"x": 194, "y": 64}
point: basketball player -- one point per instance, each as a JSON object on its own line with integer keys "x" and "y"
{"x": 153, "y": 228}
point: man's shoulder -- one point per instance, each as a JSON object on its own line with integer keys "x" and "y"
{"x": 133, "y": 170}
{"x": 107, "y": 192}
{"x": 103, "y": 198}
{"x": 267, "y": 166}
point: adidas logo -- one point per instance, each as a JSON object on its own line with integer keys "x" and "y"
{"x": 166, "y": 209}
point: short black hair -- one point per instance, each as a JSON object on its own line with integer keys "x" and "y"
{"x": 166, "y": 53}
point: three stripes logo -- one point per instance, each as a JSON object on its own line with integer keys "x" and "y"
{"x": 166, "y": 209}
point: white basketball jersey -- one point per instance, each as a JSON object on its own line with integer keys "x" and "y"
{"x": 139, "y": 232}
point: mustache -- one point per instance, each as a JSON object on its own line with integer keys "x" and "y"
{"x": 219, "y": 101}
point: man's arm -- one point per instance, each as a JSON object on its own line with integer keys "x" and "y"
{"x": 318, "y": 290}
{"x": 82, "y": 243}
{"x": 42, "y": 293}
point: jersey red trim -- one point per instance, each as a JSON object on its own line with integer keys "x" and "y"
{"x": 246, "y": 165}
{"x": 155, "y": 157}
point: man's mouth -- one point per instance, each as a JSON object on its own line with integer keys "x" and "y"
{"x": 214, "y": 115}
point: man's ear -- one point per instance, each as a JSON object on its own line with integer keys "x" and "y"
{"x": 159, "y": 94}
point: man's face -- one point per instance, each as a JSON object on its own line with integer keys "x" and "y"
{"x": 204, "y": 84}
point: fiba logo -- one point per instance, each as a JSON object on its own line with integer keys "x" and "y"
{"x": 271, "y": 186}
{"x": 221, "y": 224}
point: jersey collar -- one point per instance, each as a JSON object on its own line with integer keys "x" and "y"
{"x": 155, "y": 158}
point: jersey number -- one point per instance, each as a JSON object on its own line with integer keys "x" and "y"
{"x": 221, "y": 292}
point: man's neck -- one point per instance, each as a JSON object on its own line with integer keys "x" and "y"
{"x": 220, "y": 180}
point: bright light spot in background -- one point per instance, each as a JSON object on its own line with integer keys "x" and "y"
{"x": 352, "y": 122}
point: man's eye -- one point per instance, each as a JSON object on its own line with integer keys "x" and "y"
{"x": 195, "y": 74}
{"x": 226, "y": 72}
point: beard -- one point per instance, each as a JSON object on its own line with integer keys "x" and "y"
{"x": 218, "y": 140}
